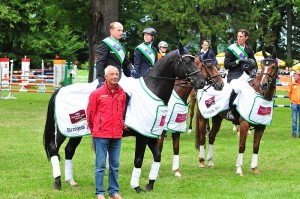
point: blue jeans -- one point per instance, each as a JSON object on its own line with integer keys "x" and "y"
{"x": 113, "y": 148}
{"x": 295, "y": 115}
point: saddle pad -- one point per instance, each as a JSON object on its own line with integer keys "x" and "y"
{"x": 146, "y": 113}
{"x": 70, "y": 109}
{"x": 252, "y": 106}
{"x": 211, "y": 101}
{"x": 177, "y": 114}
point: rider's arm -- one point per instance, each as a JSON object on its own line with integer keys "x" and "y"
{"x": 230, "y": 60}
{"x": 137, "y": 60}
{"x": 102, "y": 57}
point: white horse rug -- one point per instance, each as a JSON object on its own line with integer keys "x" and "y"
{"x": 211, "y": 101}
{"x": 252, "y": 106}
{"x": 146, "y": 113}
{"x": 177, "y": 114}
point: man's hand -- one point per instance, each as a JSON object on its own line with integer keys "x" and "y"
{"x": 243, "y": 60}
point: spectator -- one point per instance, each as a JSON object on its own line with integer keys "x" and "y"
{"x": 294, "y": 96}
{"x": 105, "y": 120}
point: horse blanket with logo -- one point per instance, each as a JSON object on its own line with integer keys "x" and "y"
{"x": 177, "y": 114}
{"x": 250, "y": 105}
{"x": 145, "y": 114}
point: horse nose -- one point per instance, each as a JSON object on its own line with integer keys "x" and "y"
{"x": 219, "y": 86}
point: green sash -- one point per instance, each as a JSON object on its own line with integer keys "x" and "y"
{"x": 238, "y": 51}
{"x": 148, "y": 52}
{"x": 116, "y": 47}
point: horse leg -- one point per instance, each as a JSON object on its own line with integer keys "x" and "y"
{"x": 258, "y": 133}
{"x": 152, "y": 144}
{"x": 192, "y": 106}
{"x": 160, "y": 141}
{"x": 244, "y": 126}
{"x": 175, "y": 166}
{"x": 69, "y": 153}
{"x": 140, "y": 147}
{"x": 200, "y": 137}
{"x": 216, "y": 125}
{"x": 53, "y": 149}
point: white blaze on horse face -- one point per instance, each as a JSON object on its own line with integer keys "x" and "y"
{"x": 264, "y": 73}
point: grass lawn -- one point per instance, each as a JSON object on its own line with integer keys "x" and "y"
{"x": 26, "y": 173}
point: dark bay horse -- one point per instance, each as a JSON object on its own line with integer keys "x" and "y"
{"x": 264, "y": 85}
{"x": 213, "y": 78}
{"x": 178, "y": 64}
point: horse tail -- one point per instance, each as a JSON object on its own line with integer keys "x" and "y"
{"x": 197, "y": 138}
{"x": 49, "y": 132}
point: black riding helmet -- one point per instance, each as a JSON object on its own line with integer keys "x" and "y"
{"x": 150, "y": 31}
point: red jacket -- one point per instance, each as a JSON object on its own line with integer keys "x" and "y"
{"x": 105, "y": 112}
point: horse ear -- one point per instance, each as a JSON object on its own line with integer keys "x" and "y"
{"x": 264, "y": 53}
{"x": 274, "y": 53}
{"x": 180, "y": 47}
{"x": 188, "y": 46}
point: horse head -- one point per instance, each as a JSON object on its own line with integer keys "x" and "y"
{"x": 187, "y": 69}
{"x": 210, "y": 72}
{"x": 269, "y": 71}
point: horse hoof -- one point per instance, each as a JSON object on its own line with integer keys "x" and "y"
{"x": 178, "y": 174}
{"x": 148, "y": 187}
{"x": 211, "y": 165}
{"x": 72, "y": 183}
{"x": 57, "y": 183}
{"x": 189, "y": 131}
{"x": 240, "y": 174}
{"x": 255, "y": 171}
{"x": 139, "y": 190}
{"x": 201, "y": 165}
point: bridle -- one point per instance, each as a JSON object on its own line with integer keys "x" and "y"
{"x": 209, "y": 79}
{"x": 187, "y": 76}
{"x": 271, "y": 79}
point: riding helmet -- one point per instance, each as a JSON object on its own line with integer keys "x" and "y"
{"x": 163, "y": 44}
{"x": 150, "y": 31}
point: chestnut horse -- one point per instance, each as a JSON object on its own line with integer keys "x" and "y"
{"x": 213, "y": 78}
{"x": 265, "y": 86}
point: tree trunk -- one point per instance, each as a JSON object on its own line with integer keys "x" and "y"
{"x": 102, "y": 13}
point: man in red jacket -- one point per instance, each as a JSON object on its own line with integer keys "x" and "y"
{"x": 105, "y": 120}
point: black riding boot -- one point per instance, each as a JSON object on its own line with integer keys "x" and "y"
{"x": 232, "y": 97}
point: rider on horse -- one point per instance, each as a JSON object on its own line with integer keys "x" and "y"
{"x": 240, "y": 63}
{"x": 112, "y": 52}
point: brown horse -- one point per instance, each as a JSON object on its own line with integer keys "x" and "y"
{"x": 213, "y": 78}
{"x": 265, "y": 85}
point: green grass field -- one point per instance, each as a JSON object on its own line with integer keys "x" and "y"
{"x": 26, "y": 173}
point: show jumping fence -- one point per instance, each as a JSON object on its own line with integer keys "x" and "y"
{"x": 19, "y": 81}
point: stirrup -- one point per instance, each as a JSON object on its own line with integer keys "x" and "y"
{"x": 230, "y": 116}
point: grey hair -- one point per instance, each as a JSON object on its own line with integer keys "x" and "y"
{"x": 108, "y": 68}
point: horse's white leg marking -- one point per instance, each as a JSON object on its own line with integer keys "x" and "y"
{"x": 210, "y": 155}
{"x": 254, "y": 161}
{"x": 175, "y": 166}
{"x": 154, "y": 170}
{"x": 69, "y": 173}
{"x": 55, "y": 166}
{"x": 239, "y": 164}
{"x": 189, "y": 131}
{"x": 135, "y": 177}
{"x": 201, "y": 151}
{"x": 201, "y": 156}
